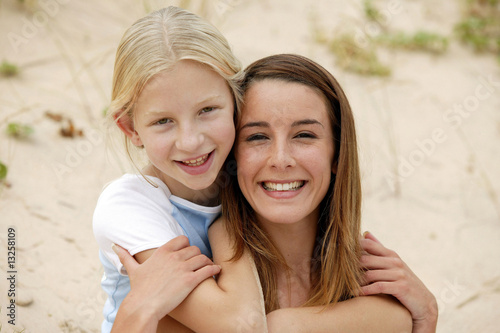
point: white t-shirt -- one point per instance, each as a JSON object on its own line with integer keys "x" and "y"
{"x": 137, "y": 216}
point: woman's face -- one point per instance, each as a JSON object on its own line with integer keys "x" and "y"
{"x": 284, "y": 150}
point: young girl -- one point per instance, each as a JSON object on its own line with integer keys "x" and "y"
{"x": 175, "y": 96}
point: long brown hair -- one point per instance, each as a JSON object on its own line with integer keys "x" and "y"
{"x": 335, "y": 268}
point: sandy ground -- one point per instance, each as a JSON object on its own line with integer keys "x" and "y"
{"x": 431, "y": 188}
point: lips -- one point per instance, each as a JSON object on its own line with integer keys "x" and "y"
{"x": 198, "y": 165}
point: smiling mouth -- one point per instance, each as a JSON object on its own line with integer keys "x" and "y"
{"x": 196, "y": 162}
{"x": 291, "y": 186}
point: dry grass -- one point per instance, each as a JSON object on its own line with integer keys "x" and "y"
{"x": 354, "y": 58}
{"x": 480, "y": 26}
{"x": 363, "y": 59}
{"x": 419, "y": 41}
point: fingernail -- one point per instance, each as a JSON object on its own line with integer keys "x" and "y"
{"x": 365, "y": 234}
{"x": 114, "y": 248}
{"x": 220, "y": 267}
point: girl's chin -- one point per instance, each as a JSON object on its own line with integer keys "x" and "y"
{"x": 205, "y": 184}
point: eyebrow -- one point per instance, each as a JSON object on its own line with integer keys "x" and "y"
{"x": 306, "y": 122}
{"x": 207, "y": 100}
{"x": 294, "y": 124}
{"x": 256, "y": 124}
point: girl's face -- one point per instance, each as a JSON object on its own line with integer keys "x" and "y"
{"x": 284, "y": 150}
{"x": 184, "y": 119}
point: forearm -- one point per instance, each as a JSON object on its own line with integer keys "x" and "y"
{"x": 387, "y": 273}
{"x": 360, "y": 314}
{"x": 134, "y": 318}
{"x": 233, "y": 303}
{"x": 158, "y": 285}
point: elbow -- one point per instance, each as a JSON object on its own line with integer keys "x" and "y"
{"x": 244, "y": 319}
{"x": 275, "y": 322}
{"x": 249, "y": 319}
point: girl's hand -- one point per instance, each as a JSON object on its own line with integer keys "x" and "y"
{"x": 386, "y": 273}
{"x": 164, "y": 280}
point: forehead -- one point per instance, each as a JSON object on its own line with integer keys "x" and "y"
{"x": 188, "y": 81}
{"x": 278, "y": 99}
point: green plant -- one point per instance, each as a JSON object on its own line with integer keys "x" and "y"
{"x": 371, "y": 12}
{"x": 357, "y": 59}
{"x": 19, "y": 130}
{"x": 8, "y": 69}
{"x": 419, "y": 41}
{"x": 3, "y": 171}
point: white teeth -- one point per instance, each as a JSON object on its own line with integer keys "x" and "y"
{"x": 196, "y": 162}
{"x": 292, "y": 186}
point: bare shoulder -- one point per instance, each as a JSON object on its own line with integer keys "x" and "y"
{"x": 218, "y": 229}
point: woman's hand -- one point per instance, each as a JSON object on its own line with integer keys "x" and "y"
{"x": 162, "y": 282}
{"x": 386, "y": 273}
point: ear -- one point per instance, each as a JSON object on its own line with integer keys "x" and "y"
{"x": 126, "y": 125}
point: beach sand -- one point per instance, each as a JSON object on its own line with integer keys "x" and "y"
{"x": 430, "y": 171}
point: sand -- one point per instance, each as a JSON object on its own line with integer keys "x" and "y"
{"x": 430, "y": 173}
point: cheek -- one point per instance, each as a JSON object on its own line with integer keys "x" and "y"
{"x": 160, "y": 147}
{"x": 224, "y": 131}
{"x": 160, "y": 144}
{"x": 250, "y": 159}
{"x": 322, "y": 158}
{"x": 246, "y": 164}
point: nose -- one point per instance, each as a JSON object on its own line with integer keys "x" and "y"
{"x": 189, "y": 138}
{"x": 281, "y": 155}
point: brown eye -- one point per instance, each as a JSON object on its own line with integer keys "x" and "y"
{"x": 256, "y": 137}
{"x": 305, "y": 135}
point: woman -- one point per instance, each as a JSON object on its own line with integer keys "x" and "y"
{"x": 298, "y": 184}
{"x": 296, "y": 207}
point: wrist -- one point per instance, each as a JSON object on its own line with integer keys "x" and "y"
{"x": 427, "y": 324}
{"x": 132, "y": 317}
{"x": 139, "y": 309}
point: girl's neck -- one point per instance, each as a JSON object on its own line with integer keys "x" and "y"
{"x": 206, "y": 197}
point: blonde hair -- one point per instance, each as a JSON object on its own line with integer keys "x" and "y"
{"x": 335, "y": 267}
{"x": 155, "y": 43}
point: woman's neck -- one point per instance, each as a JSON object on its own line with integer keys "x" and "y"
{"x": 296, "y": 243}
